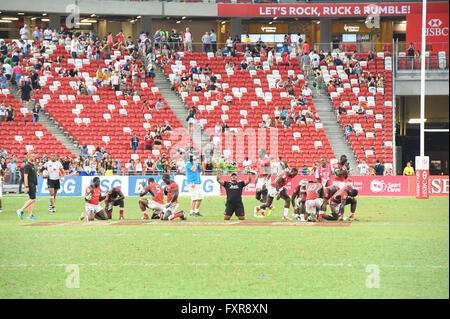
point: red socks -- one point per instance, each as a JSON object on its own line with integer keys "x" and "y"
{"x": 121, "y": 212}
{"x": 175, "y": 216}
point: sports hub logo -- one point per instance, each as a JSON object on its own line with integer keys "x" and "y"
{"x": 436, "y": 28}
{"x": 379, "y": 186}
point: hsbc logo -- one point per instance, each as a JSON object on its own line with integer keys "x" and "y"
{"x": 436, "y": 28}
{"x": 435, "y": 23}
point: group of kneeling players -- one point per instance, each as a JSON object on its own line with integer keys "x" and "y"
{"x": 309, "y": 199}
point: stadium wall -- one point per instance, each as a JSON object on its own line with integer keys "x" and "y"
{"x": 132, "y": 185}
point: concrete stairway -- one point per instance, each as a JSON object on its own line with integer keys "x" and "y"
{"x": 333, "y": 129}
{"x": 179, "y": 108}
{"x": 52, "y": 126}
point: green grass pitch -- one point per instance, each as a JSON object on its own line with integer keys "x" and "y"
{"x": 399, "y": 248}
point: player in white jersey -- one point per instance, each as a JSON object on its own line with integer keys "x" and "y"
{"x": 54, "y": 169}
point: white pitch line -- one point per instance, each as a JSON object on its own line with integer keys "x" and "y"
{"x": 215, "y": 265}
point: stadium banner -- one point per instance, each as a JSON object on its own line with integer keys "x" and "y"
{"x": 437, "y": 30}
{"x": 132, "y": 185}
{"x": 327, "y": 10}
{"x": 366, "y": 185}
{"x": 71, "y": 187}
{"x": 422, "y": 177}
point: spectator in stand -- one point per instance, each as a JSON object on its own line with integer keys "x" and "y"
{"x": 348, "y": 130}
{"x": 379, "y": 168}
{"x": 25, "y": 92}
{"x": 342, "y": 110}
{"x": 317, "y": 118}
{"x": 17, "y": 70}
{"x": 360, "y": 110}
{"x": 157, "y": 141}
{"x": 24, "y": 32}
{"x": 411, "y": 52}
{"x": 306, "y": 91}
{"x": 363, "y": 168}
{"x": 159, "y": 105}
{"x": 305, "y": 170}
{"x": 2, "y": 112}
{"x": 134, "y": 143}
{"x": 138, "y": 167}
{"x": 409, "y": 170}
{"x": 309, "y": 116}
{"x": 187, "y": 40}
{"x": 148, "y": 141}
{"x": 305, "y": 61}
{"x": 206, "y": 40}
{"x": 306, "y": 48}
{"x": 166, "y": 127}
{"x": 12, "y": 171}
{"x": 9, "y": 113}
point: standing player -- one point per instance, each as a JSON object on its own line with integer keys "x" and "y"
{"x": 114, "y": 197}
{"x": 54, "y": 168}
{"x": 194, "y": 184}
{"x": 323, "y": 173}
{"x": 2, "y": 173}
{"x": 277, "y": 189}
{"x": 264, "y": 173}
{"x": 156, "y": 204}
{"x": 342, "y": 197}
{"x": 234, "y": 195}
{"x": 93, "y": 197}
{"x": 299, "y": 204}
{"x": 340, "y": 171}
{"x": 172, "y": 192}
{"x": 30, "y": 181}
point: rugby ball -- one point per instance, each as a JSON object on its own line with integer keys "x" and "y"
{"x": 44, "y": 173}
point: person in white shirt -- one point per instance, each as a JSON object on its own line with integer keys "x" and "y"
{"x": 138, "y": 167}
{"x": 8, "y": 70}
{"x": 218, "y": 129}
{"x": 92, "y": 89}
{"x": 306, "y": 91}
{"x": 74, "y": 47}
{"x": 24, "y": 32}
{"x": 55, "y": 170}
{"x": 115, "y": 81}
{"x": 187, "y": 40}
{"x": 247, "y": 166}
{"x": 48, "y": 34}
{"x": 363, "y": 168}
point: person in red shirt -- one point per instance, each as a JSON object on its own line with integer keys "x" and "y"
{"x": 148, "y": 141}
{"x": 120, "y": 37}
{"x": 298, "y": 201}
{"x": 157, "y": 203}
{"x": 277, "y": 189}
{"x": 342, "y": 197}
{"x": 114, "y": 197}
{"x": 93, "y": 197}
{"x": 314, "y": 199}
{"x": 340, "y": 171}
{"x": 323, "y": 173}
{"x": 172, "y": 192}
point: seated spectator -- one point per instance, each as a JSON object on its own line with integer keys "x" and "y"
{"x": 317, "y": 118}
{"x": 302, "y": 101}
{"x": 211, "y": 87}
{"x": 287, "y": 123}
{"x": 360, "y": 109}
{"x": 342, "y": 110}
{"x": 305, "y": 170}
{"x": 207, "y": 70}
{"x": 159, "y": 105}
{"x": 244, "y": 65}
{"x": 309, "y": 116}
{"x": 166, "y": 127}
{"x": 157, "y": 141}
{"x": 306, "y": 91}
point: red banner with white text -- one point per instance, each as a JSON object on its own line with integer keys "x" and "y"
{"x": 369, "y": 185}
{"x": 327, "y": 10}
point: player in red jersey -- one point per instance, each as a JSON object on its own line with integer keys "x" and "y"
{"x": 277, "y": 189}
{"x": 156, "y": 204}
{"x": 323, "y": 173}
{"x": 172, "y": 192}
{"x": 314, "y": 199}
{"x": 93, "y": 197}
{"x": 114, "y": 197}
{"x": 342, "y": 197}
{"x": 328, "y": 192}
{"x": 298, "y": 200}
{"x": 264, "y": 172}
{"x": 340, "y": 170}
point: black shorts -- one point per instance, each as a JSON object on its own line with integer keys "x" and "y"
{"x": 54, "y": 183}
{"x": 284, "y": 195}
{"x": 237, "y": 209}
{"x": 32, "y": 191}
{"x": 348, "y": 201}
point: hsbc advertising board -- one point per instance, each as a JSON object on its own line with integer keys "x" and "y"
{"x": 366, "y": 185}
{"x": 437, "y": 30}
